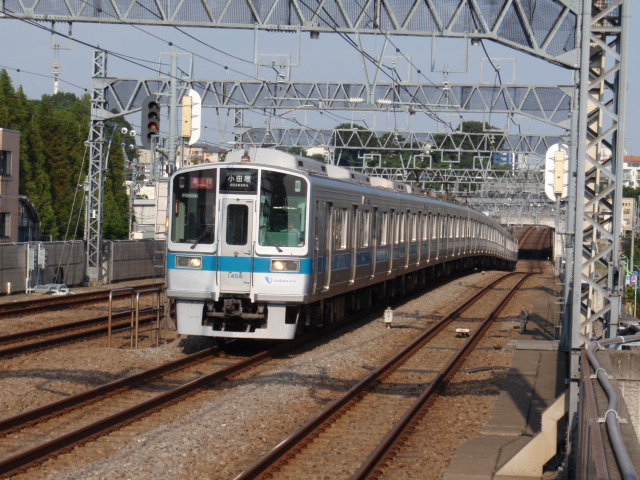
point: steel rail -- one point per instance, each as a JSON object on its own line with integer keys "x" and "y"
{"x": 380, "y": 454}
{"x": 23, "y": 460}
{"x": 287, "y": 445}
{"x": 39, "y": 332}
{"x": 32, "y": 305}
{"x": 43, "y": 412}
{"x": 72, "y": 337}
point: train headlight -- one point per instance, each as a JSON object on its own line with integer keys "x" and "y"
{"x": 285, "y": 265}
{"x": 188, "y": 262}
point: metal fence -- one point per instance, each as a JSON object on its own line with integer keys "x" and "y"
{"x": 134, "y": 259}
{"x": 13, "y": 261}
{"x": 23, "y": 266}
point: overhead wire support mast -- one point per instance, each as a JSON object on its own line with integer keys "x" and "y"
{"x": 93, "y": 212}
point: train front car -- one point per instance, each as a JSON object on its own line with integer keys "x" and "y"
{"x": 238, "y": 249}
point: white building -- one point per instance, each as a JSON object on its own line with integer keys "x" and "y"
{"x": 631, "y": 171}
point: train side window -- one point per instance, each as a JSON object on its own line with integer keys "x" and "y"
{"x": 425, "y": 226}
{"x": 414, "y": 227}
{"x": 383, "y": 229}
{"x": 396, "y": 227}
{"x": 364, "y": 228}
{"x": 341, "y": 228}
{"x": 237, "y": 223}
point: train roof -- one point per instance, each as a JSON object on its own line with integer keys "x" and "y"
{"x": 279, "y": 158}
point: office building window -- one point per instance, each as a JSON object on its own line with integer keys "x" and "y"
{"x": 5, "y": 162}
{"x": 4, "y": 224}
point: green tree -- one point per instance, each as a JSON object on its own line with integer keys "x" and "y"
{"x": 297, "y": 151}
{"x": 356, "y": 136}
{"x": 116, "y": 200}
{"x": 54, "y": 161}
{"x": 630, "y": 192}
{"x": 447, "y": 155}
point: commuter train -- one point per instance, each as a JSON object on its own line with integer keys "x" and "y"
{"x": 267, "y": 244}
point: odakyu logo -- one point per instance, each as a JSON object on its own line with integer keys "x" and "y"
{"x": 271, "y": 280}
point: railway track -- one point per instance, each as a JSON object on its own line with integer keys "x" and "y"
{"x": 38, "y": 434}
{"x": 47, "y": 337}
{"x": 360, "y": 430}
{"x": 55, "y": 302}
{"x": 95, "y": 412}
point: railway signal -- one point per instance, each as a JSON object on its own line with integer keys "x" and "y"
{"x": 150, "y": 121}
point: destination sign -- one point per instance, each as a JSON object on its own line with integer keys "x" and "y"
{"x": 238, "y": 180}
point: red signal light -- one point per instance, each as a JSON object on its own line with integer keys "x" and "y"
{"x": 150, "y": 120}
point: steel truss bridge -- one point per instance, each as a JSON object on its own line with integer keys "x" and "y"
{"x": 551, "y": 105}
{"x": 484, "y": 144}
{"x": 587, "y": 37}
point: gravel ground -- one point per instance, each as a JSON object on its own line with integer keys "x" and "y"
{"x": 218, "y": 433}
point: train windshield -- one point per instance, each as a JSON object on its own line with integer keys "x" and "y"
{"x": 283, "y": 210}
{"x": 194, "y": 202}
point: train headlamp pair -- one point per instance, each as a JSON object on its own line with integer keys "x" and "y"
{"x": 280, "y": 265}
{"x": 188, "y": 262}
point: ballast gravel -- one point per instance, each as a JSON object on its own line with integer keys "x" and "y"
{"x": 220, "y": 432}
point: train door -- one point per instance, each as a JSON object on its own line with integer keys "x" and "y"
{"x": 437, "y": 235}
{"x": 317, "y": 243}
{"x": 235, "y": 263}
{"x": 374, "y": 241}
{"x": 392, "y": 226}
{"x": 355, "y": 240}
{"x": 328, "y": 241}
{"x": 445, "y": 235}
{"x": 408, "y": 229}
{"x": 419, "y": 236}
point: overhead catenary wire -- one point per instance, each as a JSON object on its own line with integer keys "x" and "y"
{"x": 392, "y": 75}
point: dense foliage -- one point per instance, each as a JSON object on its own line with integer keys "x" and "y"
{"x": 54, "y": 161}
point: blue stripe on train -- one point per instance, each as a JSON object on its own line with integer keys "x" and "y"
{"x": 340, "y": 261}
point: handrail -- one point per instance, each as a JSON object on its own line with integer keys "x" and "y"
{"x": 611, "y": 416}
{"x": 136, "y": 330}
{"x": 126, "y": 289}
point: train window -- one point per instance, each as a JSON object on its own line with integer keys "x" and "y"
{"x": 237, "y": 223}
{"x": 383, "y": 229}
{"x": 283, "y": 209}
{"x": 341, "y": 228}
{"x": 424, "y": 226}
{"x": 414, "y": 227}
{"x": 364, "y": 228}
{"x": 194, "y": 207}
{"x": 396, "y": 228}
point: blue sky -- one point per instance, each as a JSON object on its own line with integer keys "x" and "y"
{"x": 28, "y": 56}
